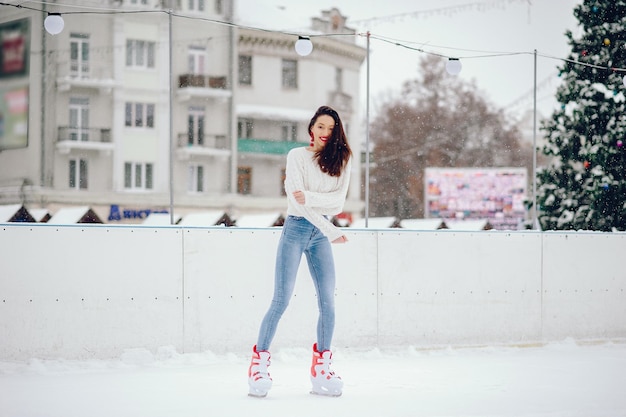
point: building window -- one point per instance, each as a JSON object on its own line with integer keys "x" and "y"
{"x": 290, "y": 73}
{"x": 78, "y": 174}
{"x": 338, "y": 79}
{"x": 140, "y": 54}
{"x": 289, "y": 132}
{"x": 283, "y": 177}
{"x": 221, "y": 142}
{"x": 196, "y": 178}
{"x": 139, "y": 115}
{"x": 195, "y": 126}
{"x": 79, "y": 119}
{"x": 79, "y": 55}
{"x": 245, "y": 70}
{"x": 244, "y": 180}
{"x": 197, "y": 60}
{"x": 196, "y": 5}
{"x": 244, "y": 128}
{"x": 138, "y": 176}
{"x": 150, "y": 115}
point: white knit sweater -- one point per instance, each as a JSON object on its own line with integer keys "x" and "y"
{"x": 324, "y": 195}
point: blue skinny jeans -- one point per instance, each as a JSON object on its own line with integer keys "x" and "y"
{"x": 300, "y": 236}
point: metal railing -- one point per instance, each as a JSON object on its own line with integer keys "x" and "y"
{"x": 202, "y": 141}
{"x": 84, "y": 134}
{"x": 203, "y": 81}
{"x": 94, "y": 69}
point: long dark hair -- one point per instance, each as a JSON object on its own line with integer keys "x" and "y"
{"x": 336, "y": 153}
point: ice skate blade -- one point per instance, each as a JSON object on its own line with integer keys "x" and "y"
{"x": 257, "y": 394}
{"x": 260, "y": 388}
{"x": 327, "y": 393}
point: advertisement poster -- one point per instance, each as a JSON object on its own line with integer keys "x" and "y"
{"x": 13, "y": 118}
{"x": 495, "y": 194}
{"x": 14, "y": 61}
{"x": 15, "y": 53}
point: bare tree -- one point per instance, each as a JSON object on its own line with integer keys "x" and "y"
{"x": 437, "y": 121}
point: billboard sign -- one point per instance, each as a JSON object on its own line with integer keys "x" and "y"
{"x": 14, "y": 61}
{"x": 495, "y": 194}
{"x": 15, "y": 52}
{"x": 13, "y": 118}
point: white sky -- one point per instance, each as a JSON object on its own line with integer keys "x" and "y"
{"x": 482, "y": 27}
{"x": 558, "y": 380}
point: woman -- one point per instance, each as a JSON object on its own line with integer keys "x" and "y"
{"x": 316, "y": 184}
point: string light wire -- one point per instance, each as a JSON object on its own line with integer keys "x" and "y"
{"x": 406, "y": 44}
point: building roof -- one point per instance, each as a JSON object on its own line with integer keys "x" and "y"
{"x": 468, "y": 225}
{"x": 73, "y": 215}
{"x": 40, "y": 214}
{"x": 8, "y": 211}
{"x": 15, "y": 213}
{"x": 260, "y": 220}
{"x": 206, "y": 218}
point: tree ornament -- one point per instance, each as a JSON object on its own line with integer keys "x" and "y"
{"x": 620, "y": 143}
{"x": 606, "y": 41}
{"x": 586, "y": 164}
{"x": 605, "y": 186}
{"x": 584, "y": 52}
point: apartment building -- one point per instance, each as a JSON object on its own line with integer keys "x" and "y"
{"x": 140, "y": 106}
{"x": 278, "y": 91}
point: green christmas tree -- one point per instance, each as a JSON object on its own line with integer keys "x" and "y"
{"x": 584, "y": 186}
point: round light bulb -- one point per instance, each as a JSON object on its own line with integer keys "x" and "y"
{"x": 54, "y": 23}
{"x": 304, "y": 46}
{"x": 453, "y": 66}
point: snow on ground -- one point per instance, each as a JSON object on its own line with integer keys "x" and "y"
{"x": 565, "y": 379}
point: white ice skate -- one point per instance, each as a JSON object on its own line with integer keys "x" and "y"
{"x": 259, "y": 379}
{"x": 324, "y": 381}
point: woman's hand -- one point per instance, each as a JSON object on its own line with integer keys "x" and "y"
{"x": 299, "y": 196}
{"x": 341, "y": 239}
{"x": 300, "y": 199}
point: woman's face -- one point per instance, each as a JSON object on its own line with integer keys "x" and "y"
{"x": 321, "y": 131}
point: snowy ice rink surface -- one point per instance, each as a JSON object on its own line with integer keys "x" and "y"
{"x": 565, "y": 379}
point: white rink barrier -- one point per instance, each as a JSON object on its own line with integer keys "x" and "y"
{"x": 93, "y": 291}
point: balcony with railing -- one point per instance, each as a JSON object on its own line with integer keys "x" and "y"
{"x": 95, "y": 73}
{"x": 266, "y": 146}
{"x": 202, "y": 86}
{"x": 202, "y": 145}
{"x": 82, "y": 138}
